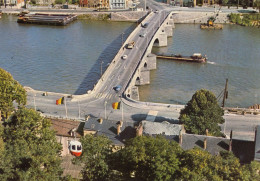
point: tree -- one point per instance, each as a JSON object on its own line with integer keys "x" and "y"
{"x": 149, "y": 158}
{"x": 257, "y": 5}
{"x": 202, "y": 112}
{"x": 252, "y": 170}
{"x": 10, "y": 91}
{"x": 197, "y": 164}
{"x": 31, "y": 149}
{"x": 96, "y": 152}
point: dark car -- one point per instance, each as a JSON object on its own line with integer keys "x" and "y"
{"x": 145, "y": 25}
{"x": 117, "y": 88}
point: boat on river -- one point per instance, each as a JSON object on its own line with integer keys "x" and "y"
{"x": 196, "y": 57}
{"x": 47, "y": 19}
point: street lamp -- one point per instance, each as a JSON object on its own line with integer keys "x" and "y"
{"x": 79, "y": 109}
{"x": 34, "y": 102}
{"x": 105, "y": 109}
{"x": 65, "y": 105}
{"x": 122, "y": 107}
{"x": 101, "y": 68}
{"x": 122, "y": 38}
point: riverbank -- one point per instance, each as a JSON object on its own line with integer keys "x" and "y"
{"x": 127, "y": 16}
{"x": 245, "y": 19}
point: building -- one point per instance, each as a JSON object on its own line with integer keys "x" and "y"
{"x": 45, "y": 2}
{"x": 18, "y": 3}
{"x": 99, "y": 4}
{"x": 117, "y": 4}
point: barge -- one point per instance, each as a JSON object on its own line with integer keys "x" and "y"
{"x": 47, "y": 19}
{"x": 196, "y": 57}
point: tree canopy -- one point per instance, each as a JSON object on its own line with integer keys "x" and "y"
{"x": 31, "y": 150}
{"x": 95, "y": 157}
{"x": 10, "y": 91}
{"x": 149, "y": 158}
{"x": 202, "y": 112}
{"x": 156, "y": 158}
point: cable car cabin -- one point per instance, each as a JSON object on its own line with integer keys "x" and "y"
{"x": 75, "y": 148}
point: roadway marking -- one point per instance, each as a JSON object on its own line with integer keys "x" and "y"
{"x": 110, "y": 96}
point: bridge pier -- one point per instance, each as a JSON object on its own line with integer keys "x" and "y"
{"x": 150, "y": 62}
{"x": 161, "y": 40}
{"x": 171, "y": 22}
{"x": 168, "y": 30}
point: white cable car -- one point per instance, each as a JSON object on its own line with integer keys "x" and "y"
{"x": 75, "y": 148}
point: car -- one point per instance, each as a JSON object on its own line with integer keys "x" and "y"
{"x": 124, "y": 57}
{"x": 117, "y": 88}
{"x": 142, "y": 35}
{"x": 156, "y": 11}
{"x": 145, "y": 25}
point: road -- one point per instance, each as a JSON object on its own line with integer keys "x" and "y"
{"x": 99, "y": 102}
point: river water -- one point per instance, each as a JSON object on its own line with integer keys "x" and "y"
{"x": 68, "y": 59}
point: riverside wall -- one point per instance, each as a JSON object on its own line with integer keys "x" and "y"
{"x": 199, "y": 17}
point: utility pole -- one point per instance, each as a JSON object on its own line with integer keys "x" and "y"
{"x": 225, "y": 93}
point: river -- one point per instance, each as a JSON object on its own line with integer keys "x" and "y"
{"x": 70, "y": 59}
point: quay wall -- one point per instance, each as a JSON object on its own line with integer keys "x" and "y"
{"x": 130, "y": 16}
{"x": 199, "y": 17}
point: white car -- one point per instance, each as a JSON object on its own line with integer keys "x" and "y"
{"x": 142, "y": 35}
{"x": 156, "y": 11}
{"x": 124, "y": 57}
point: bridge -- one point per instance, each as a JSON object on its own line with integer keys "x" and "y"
{"x": 128, "y": 73}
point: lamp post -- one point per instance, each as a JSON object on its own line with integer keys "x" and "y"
{"x": 122, "y": 38}
{"x": 105, "y": 109}
{"x": 122, "y": 107}
{"x": 34, "y": 102}
{"x": 65, "y": 105}
{"x": 101, "y": 68}
{"x": 79, "y": 109}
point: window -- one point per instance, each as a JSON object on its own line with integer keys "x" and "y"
{"x": 73, "y": 147}
{"x": 78, "y": 147}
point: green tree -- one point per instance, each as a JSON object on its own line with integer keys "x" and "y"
{"x": 10, "y": 91}
{"x": 257, "y": 5}
{"x": 197, "y": 164}
{"x": 95, "y": 157}
{"x": 149, "y": 158}
{"x": 202, "y": 112}
{"x": 252, "y": 170}
{"x": 31, "y": 149}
